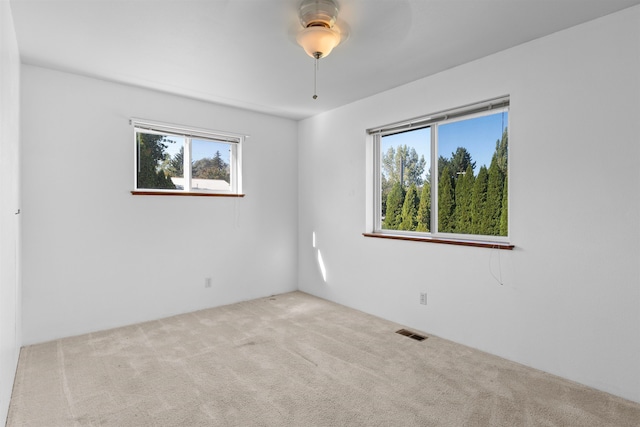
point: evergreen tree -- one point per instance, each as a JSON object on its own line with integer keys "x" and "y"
{"x": 502, "y": 151}
{"x": 151, "y": 155}
{"x": 493, "y": 210}
{"x": 502, "y": 159}
{"x": 463, "y": 192}
{"x": 460, "y": 162}
{"x": 385, "y": 188}
{"x": 479, "y": 201}
{"x": 175, "y": 166}
{"x": 395, "y": 200}
{"x": 424, "y": 209}
{"x": 410, "y": 210}
{"x": 446, "y": 202}
{"x": 504, "y": 215}
{"x": 443, "y": 162}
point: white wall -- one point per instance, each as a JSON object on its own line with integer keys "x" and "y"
{"x": 96, "y": 257}
{"x": 570, "y": 299}
{"x": 9, "y": 204}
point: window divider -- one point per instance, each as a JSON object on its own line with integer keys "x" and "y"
{"x": 187, "y": 163}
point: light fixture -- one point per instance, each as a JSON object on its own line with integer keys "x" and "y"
{"x": 319, "y": 35}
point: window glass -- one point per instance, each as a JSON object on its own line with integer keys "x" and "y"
{"x": 159, "y": 161}
{"x": 171, "y": 158}
{"x": 404, "y": 180}
{"x": 472, "y": 176}
{"x": 445, "y": 176}
{"x": 210, "y": 167}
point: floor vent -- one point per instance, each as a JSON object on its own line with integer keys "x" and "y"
{"x": 410, "y": 334}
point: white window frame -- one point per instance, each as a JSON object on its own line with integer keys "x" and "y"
{"x": 488, "y": 107}
{"x": 235, "y": 142}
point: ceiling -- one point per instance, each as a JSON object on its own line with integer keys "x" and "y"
{"x": 243, "y": 53}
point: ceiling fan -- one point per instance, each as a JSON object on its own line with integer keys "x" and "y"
{"x": 319, "y": 34}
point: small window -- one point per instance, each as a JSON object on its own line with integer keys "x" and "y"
{"x": 444, "y": 175}
{"x": 171, "y": 159}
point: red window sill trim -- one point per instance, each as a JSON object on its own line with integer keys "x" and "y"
{"x": 478, "y": 244}
{"x": 182, "y": 193}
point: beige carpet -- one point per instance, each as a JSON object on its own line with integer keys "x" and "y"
{"x": 290, "y": 360}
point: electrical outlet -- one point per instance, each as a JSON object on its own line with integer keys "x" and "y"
{"x": 423, "y": 298}
{"x": 207, "y": 282}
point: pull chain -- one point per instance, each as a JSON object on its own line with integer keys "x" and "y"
{"x": 315, "y": 75}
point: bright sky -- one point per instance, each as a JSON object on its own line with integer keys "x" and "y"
{"x": 199, "y": 148}
{"x": 202, "y": 148}
{"x": 478, "y": 135}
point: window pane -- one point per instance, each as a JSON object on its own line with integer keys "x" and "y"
{"x": 404, "y": 180}
{"x": 210, "y": 165}
{"x": 472, "y": 169}
{"x": 159, "y": 161}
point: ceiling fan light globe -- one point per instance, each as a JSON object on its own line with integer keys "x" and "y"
{"x": 318, "y": 40}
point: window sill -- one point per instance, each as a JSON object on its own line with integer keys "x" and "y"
{"x": 478, "y": 244}
{"x": 182, "y": 193}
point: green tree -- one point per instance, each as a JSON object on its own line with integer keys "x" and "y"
{"x": 444, "y": 162}
{"x": 464, "y": 197}
{"x": 504, "y": 215}
{"x": 446, "y": 202}
{"x": 385, "y": 188}
{"x": 211, "y": 168}
{"x": 479, "y": 201}
{"x": 394, "y": 161}
{"x": 460, "y": 161}
{"x": 175, "y": 165}
{"x": 409, "y": 214}
{"x": 493, "y": 208}
{"x": 424, "y": 209}
{"x": 151, "y": 155}
{"x": 403, "y": 159}
{"x": 395, "y": 201}
{"x": 502, "y": 152}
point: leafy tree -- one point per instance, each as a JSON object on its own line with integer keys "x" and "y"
{"x": 395, "y": 201}
{"x": 151, "y": 154}
{"x": 446, "y": 202}
{"x": 394, "y": 161}
{"x": 211, "y": 168}
{"x": 410, "y": 210}
{"x": 405, "y": 160}
{"x": 464, "y": 197}
{"x": 424, "y": 209}
{"x": 479, "y": 201}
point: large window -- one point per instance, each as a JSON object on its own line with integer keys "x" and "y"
{"x": 444, "y": 175}
{"x": 171, "y": 159}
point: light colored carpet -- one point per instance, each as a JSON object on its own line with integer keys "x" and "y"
{"x": 290, "y": 360}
